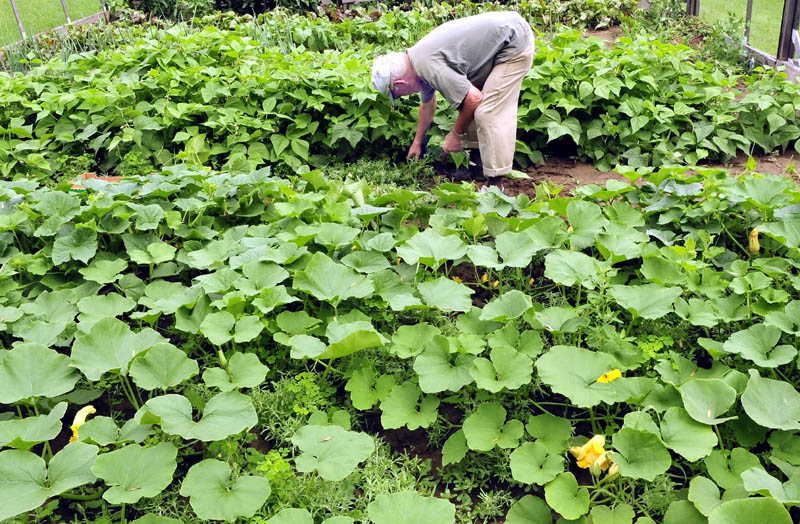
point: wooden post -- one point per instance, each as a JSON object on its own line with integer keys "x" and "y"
{"x": 789, "y": 22}
{"x": 747, "y": 19}
{"x": 66, "y": 12}
{"x": 19, "y": 20}
{"x": 693, "y": 7}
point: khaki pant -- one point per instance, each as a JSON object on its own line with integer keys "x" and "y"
{"x": 494, "y": 128}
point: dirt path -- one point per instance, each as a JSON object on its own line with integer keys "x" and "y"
{"x": 569, "y": 173}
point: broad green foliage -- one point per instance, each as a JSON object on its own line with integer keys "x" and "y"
{"x": 213, "y": 496}
{"x": 330, "y": 450}
{"x": 225, "y": 414}
{"x": 133, "y": 472}
{"x": 31, "y": 370}
{"x": 628, "y": 311}
{"x": 27, "y": 483}
{"x": 410, "y": 508}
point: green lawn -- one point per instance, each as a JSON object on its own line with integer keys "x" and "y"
{"x": 40, "y": 15}
{"x": 765, "y": 24}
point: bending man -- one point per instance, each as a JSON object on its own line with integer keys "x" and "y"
{"x": 477, "y": 63}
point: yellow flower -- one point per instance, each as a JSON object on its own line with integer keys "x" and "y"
{"x": 753, "y": 246}
{"x": 457, "y": 279}
{"x": 614, "y": 374}
{"x": 530, "y": 282}
{"x": 592, "y": 455}
{"x": 80, "y": 420}
{"x": 485, "y": 278}
{"x": 495, "y": 284}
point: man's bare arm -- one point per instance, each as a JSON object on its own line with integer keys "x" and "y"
{"x": 466, "y": 113}
{"x": 426, "y": 112}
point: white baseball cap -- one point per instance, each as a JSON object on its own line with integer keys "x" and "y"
{"x": 381, "y": 76}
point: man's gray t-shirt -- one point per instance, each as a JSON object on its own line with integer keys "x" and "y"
{"x": 461, "y": 53}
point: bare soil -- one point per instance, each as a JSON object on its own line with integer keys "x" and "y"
{"x": 568, "y": 173}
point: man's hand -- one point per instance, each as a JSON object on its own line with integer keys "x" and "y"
{"x": 415, "y": 151}
{"x": 452, "y": 143}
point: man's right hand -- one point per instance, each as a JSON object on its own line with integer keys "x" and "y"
{"x": 415, "y": 151}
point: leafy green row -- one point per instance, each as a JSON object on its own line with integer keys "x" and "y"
{"x": 137, "y": 287}
{"x": 221, "y": 98}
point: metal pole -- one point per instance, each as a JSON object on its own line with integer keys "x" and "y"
{"x": 66, "y": 12}
{"x": 747, "y": 19}
{"x": 19, "y": 20}
{"x": 791, "y": 17}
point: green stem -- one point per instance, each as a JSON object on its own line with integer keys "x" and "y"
{"x": 122, "y": 515}
{"x": 77, "y": 496}
{"x": 128, "y": 390}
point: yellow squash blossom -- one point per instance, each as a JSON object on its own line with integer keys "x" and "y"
{"x": 592, "y": 455}
{"x": 590, "y": 452}
{"x": 457, "y": 279}
{"x": 614, "y": 374}
{"x": 752, "y": 245}
{"x": 80, "y": 420}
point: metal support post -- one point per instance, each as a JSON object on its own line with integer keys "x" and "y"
{"x": 66, "y": 11}
{"x": 19, "y": 20}
{"x": 747, "y": 19}
{"x": 789, "y": 23}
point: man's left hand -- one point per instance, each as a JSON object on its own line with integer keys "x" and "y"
{"x": 452, "y": 143}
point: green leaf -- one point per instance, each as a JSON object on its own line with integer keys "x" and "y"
{"x": 292, "y": 516}
{"x": 573, "y": 372}
{"x": 640, "y": 454}
{"x": 329, "y": 281}
{"x": 408, "y": 507}
{"x": 706, "y": 399}
{"x": 33, "y": 370}
{"x": 508, "y": 368}
{"x": 758, "y": 344}
{"x": 224, "y": 415}
{"x": 587, "y": 220}
{"x": 552, "y": 431}
{"x": 27, "y": 432}
{"x": 529, "y": 510}
{"x": 346, "y": 338}
{"x": 151, "y": 518}
{"x": 95, "y": 308}
{"x": 431, "y": 249}
{"x": 454, "y": 449}
{"x": 647, "y": 301}
{"x": 727, "y": 473}
{"x": 446, "y": 294}
{"x": 572, "y": 267}
{"x": 506, "y": 307}
{"x": 689, "y": 438}
{"x": 365, "y": 390}
{"x": 747, "y": 511}
{"x": 163, "y": 366}
{"x": 565, "y": 497}
{"x": 486, "y": 428}
{"x": 531, "y": 464}
{"x": 134, "y": 472}
{"x": 409, "y": 341}
{"x": 244, "y": 370}
{"x": 216, "y": 327}
{"x": 104, "y": 271}
{"x": 619, "y": 514}
{"x": 213, "y": 496}
{"x": 771, "y": 403}
{"x": 683, "y": 512}
{"x": 440, "y": 370}
{"x": 330, "y": 450}
{"x": 110, "y": 345}
{"x": 704, "y": 494}
{"x": 403, "y": 408}
{"x": 26, "y": 483}
{"x": 758, "y": 480}
{"x": 247, "y": 328}
{"x": 79, "y": 245}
